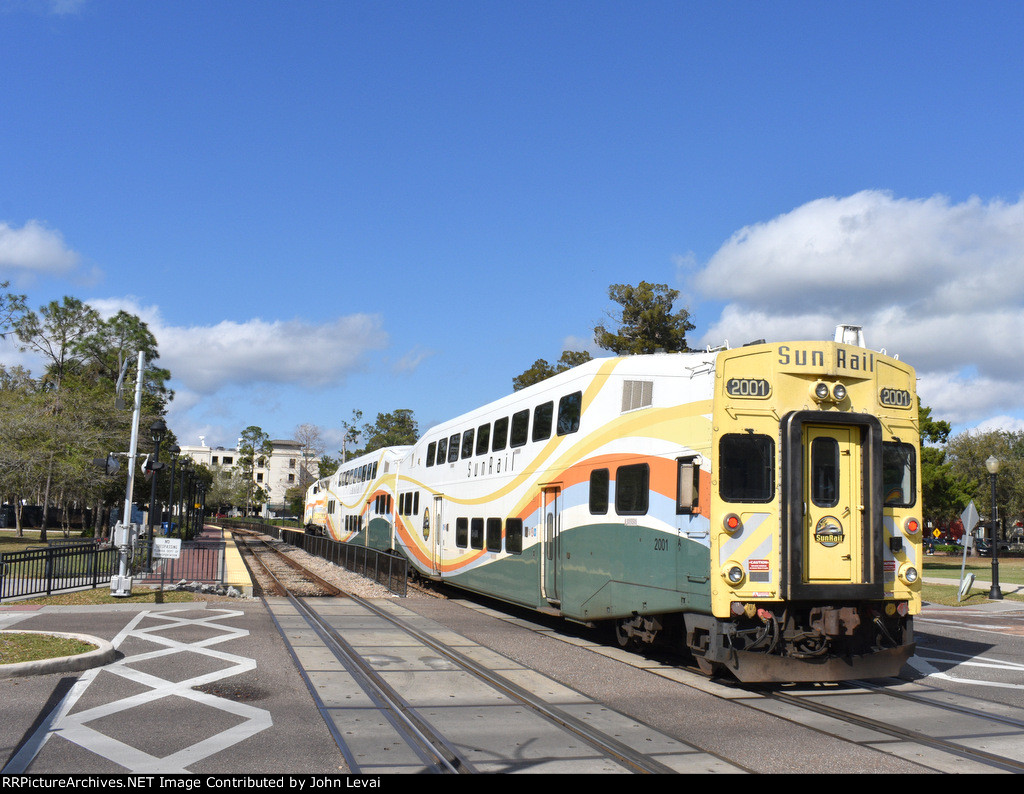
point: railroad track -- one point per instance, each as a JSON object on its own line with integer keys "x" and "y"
{"x": 415, "y": 727}
{"x": 947, "y": 736}
{"x": 281, "y": 574}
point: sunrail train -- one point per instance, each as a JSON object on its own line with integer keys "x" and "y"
{"x": 758, "y": 506}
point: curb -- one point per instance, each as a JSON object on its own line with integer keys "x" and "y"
{"x": 104, "y": 654}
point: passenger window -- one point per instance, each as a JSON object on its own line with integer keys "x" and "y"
{"x": 493, "y": 534}
{"x": 569, "y": 408}
{"x": 514, "y": 536}
{"x": 461, "y": 532}
{"x": 467, "y": 444}
{"x": 453, "y": 448}
{"x": 688, "y": 486}
{"x": 746, "y": 465}
{"x": 483, "y": 439}
{"x": 442, "y": 451}
{"x": 631, "y": 489}
{"x": 431, "y": 452}
{"x": 542, "y": 416}
{"x": 500, "y": 434}
{"x": 476, "y": 533}
{"x": 599, "y": 492}
{"x": 825, "y": 472}
{"x": 520, "y": 428}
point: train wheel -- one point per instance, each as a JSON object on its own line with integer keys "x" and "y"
{"x": 706, "y": 667}
{"x": 624, "y": 638}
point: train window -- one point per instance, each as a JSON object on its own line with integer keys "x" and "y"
{"x": 500, "y": 434}
{"x": 416, "y": 503}
{"x": 520, "y": 428}
{"x": 825, "y": 472}
{"x": 467, "y": 444}
{"x": 476, "y": 533}
{"x": 442, "y": 451}
{"x": 631, "y": 489}
{"x": 493, "y": 534}
{"x": 542, "y": 416}
{"x": 899, "y": 473}
{"x": 599, "y": 492}
{"x": 461, "y": 532}
{"x": 569, "y": 409}
{"x": 688, "y": 486}
{"x": 453, "y": 448}
{"x": 514, "y": 536}
{"x": 746, "y": 468}
{"x": 483, "y": 439}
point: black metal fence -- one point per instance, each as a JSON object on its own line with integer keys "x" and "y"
{"x": 390, "y": 570}
{"x": 62, "y": 566}
{"x": 79, "y": 565}
{"x": 200, "y": 561}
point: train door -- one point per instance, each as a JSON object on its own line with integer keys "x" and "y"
{"x": 834, "y": 505}
{"x": 436, "y": 544}
{"x": 833, "y": 517}
{"x": 551, "y": 501}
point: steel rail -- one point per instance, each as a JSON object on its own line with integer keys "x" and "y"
{"x": 430, "y": 745}
{"x": 989, "y": 759}
{"x": 609, "y": 746}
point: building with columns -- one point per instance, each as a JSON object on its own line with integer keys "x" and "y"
{"x": 275, "y": 473}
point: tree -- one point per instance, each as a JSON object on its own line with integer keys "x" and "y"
{"x": 391, "y": 430}
{"x": 542, "y": 370}
{"x": 945, "y": 492}
{"x": 253, "y": 448}
{"x": 647, "y": 323}
{"x": 311, "y": 443}
{"x": 328, "y": 465}
{"x": 967, "y": 453}
{"x": 11, "y": 306}
{"x": 351, "y": 435}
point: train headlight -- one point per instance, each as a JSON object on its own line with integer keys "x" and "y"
{"x": 733, "y": 573}
{"x": 839, "y": 392}
{"x": 908, "y": 574}
{"x": 820, "y": 391}
{"x": 732, "y": 523}
{"x": 911, "y": 526}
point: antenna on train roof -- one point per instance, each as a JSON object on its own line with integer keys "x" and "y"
{"x": 850, "y": 335}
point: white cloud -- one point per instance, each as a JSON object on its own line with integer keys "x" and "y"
{"x": 34, "y": 249}
{"x": 940, "y": 284}
{"x": 207, "y": 359}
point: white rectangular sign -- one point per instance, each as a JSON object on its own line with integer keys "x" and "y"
{"x": 166, "y": 548}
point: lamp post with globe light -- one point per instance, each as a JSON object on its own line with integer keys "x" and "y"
{"x": 992, "y": 464}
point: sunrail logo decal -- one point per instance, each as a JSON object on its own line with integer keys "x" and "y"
{"x": 829, "y": 532}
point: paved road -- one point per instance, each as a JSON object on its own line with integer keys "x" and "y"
{"x": 196, "y": 688}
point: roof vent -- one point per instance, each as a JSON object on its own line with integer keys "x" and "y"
{"x": 850, "y": 335}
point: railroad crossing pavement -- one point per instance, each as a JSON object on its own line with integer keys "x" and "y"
{"x": 203, "y": 687}
{"x": 200, "y": 687}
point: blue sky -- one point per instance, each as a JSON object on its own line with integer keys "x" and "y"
{"x": 327, "y": 206}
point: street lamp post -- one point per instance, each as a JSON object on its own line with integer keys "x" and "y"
{"x": 157, "y": 431}
{"x": 174, "y": 452}
{"x": 992, "y": 464}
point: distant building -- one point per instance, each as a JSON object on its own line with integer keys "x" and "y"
{"x": 275, "y": 473}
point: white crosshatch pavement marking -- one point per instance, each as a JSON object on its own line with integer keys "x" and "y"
{"x": 76, "y": 727}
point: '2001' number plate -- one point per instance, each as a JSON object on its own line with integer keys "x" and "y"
{"x": 748, "y": 387}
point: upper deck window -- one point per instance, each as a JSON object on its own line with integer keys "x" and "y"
{"x": 569, "y": 408}
{"x": 542, "y": 416}
{"x": 520, "y": 428}
{"x": 500, "y": 434}
{"x": 746, "y": 468}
